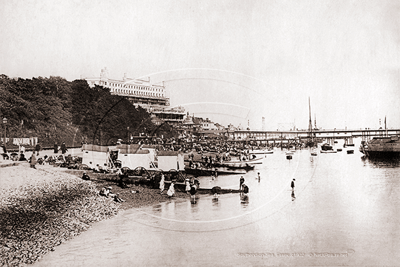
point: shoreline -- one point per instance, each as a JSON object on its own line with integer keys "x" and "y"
{"x": 44, "y": 207}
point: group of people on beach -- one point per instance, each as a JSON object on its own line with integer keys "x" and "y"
{"x": 63, "y": 148}
{"x": 20, "y": 154}
{"x": 106, "y": 191}
{"x": 191, "y": 187}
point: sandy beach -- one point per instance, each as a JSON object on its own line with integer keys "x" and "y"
{"x": 42, "y": 208}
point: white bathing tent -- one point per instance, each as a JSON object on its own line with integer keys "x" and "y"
{"x": 94, "y": 155}
{"x": 133, "y": 156}
{"x": 170, "y": 160}
{"x": 152, "y": 151}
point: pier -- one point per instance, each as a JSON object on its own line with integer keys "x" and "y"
{"x": 291, "y": 137}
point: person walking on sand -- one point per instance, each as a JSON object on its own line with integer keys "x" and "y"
{"x": 258, "y": 177}
{"x": 37, "y": 149}
{"x": 63, "y": 148}
{"x": 292, "y": 184}
{"x": 162, "y": 183}
{"x": 33, "y": 160}
{"x": 55, "y": 148}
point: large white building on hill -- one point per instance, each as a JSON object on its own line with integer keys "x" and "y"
{"x": 142, "y": 93}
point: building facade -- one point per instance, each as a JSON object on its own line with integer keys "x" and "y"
{"x": 139, "y": 92}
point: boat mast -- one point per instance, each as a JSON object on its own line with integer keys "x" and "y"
{"x": 310, "y": 121}
{"x": 386, "y": 128}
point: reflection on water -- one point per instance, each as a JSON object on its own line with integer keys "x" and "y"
{"x": 244, "y": 200}
{"x": 382, "y": 162}
{"x": 344, "y": 211}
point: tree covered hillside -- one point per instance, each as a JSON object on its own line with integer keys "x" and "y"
{"x": 56, "y": 110}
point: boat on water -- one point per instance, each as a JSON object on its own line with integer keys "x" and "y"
{"x": 326, "y": 147}
{"x": 254, "y": 160}
{"x": 289, "y": 154}
{"x": 388, "y": 146}
{"x": 235, "y": 165}
{"x": 350, "y": 151}
{"x": 348, "y": 142}
{"x": 260, "y": 151}
{"x": 210, "y": 171}
{"x": 328, "y": 151}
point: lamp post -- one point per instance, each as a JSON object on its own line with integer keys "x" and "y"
{"x": 127, "y": 134}
{"x": 5, "y": 130}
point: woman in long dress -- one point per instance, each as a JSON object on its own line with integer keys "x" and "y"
{"x": 171, "y": 190}
{"x": 162, "y": 182}
{"x": 33, "y": 160}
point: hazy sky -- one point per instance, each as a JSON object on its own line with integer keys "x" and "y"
{"x": 231, "y": 61}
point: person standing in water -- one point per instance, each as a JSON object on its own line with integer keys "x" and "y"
{"x": 241, "y": 181}
{"x": 187, "y": 187}
{"x": 292, "y": 184}
{"x": 193, "y": 190}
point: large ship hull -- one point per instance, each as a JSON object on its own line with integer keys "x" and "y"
{"x": 388, "y": 147}
{"x": 382, "y": 154}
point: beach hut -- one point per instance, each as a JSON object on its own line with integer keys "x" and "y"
{"x": 152, "y": 150}
{"x": 170, "y": 160}
{"x": 94, "y": 155}
{"x": 133, "y": 156}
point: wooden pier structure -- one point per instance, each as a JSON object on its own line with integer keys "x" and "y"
{"x": 288, "y": 137}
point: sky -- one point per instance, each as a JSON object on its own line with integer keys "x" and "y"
{"x": 228, "y": 60}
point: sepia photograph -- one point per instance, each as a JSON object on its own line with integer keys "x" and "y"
{"x": 199, "y": 133}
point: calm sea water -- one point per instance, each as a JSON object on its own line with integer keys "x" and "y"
{"x": 344, "y": 211}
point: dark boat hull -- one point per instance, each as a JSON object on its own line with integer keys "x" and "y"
{"x": 382, "y": 154}
{"x": 208, "y": 172}
{"x": 246, "y": 166}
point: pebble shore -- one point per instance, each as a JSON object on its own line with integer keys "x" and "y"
{"x": 44, "y": 207}
{"x": 47, "y": 209}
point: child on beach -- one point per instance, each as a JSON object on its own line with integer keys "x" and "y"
{"x": 187, "y": 188}
{"x": 85, "y": 176}
{"x": 106, "y": 191}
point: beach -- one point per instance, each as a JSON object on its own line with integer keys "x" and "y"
{"x": 44, "y": 207}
